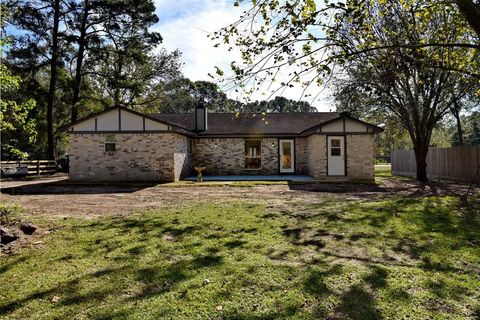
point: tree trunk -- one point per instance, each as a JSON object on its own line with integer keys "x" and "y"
{"x": 116, "y": 95}
{"x": 53, "y": 80}
{"x": 80, "y": 56}
{"x": 421, "y": 151}
{"x": 459, "y": 130}
{"x": 456, "y": 113}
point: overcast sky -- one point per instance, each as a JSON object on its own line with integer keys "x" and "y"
{"x": 185, "y": 24}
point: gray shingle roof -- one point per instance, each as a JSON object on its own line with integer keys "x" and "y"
{"x": 251, "y": 123}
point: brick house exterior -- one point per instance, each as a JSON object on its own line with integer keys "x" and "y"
{"x": 122, "y": 145}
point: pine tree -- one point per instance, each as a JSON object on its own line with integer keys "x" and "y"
{"x": 41, "y": 45}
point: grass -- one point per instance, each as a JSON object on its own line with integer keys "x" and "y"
{"x": 351, "y": 259}
{"x": 9, "y": 212}
{"x": 383, "y": 171}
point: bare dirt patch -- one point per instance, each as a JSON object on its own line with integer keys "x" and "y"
{"x": 60, "y": 198}
{"x": 24, "y": 240}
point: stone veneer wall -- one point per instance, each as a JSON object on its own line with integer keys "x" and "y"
{"x": 226, "y": 156}
{"x": 138, "y": 157}
{"x": 360, "y": 161}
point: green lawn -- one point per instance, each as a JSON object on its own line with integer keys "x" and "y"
{"x": 383, "y": 170}
{"x": 388, "y": 257}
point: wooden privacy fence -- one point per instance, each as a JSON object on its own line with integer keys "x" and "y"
{"x": 458, "y": 163}
{"x": 35, "y": 167}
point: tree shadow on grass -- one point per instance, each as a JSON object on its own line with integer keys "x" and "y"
{"x": 302, "y": 237}
{"x": 68, "y": 290}
{"x": 358, "y": 303}
{"x": 141, "y": 225}
{"x": 141, "y": 229}
{"x": 443, "y": 290}
{"x": 120, "y": 235}
{"x": 235, "y": 244}
{"x": 157, "y": 281}
{"x": 450, "y": 226}
{"x": 7, "y": 266}
{"x": 470, "y": 218}
{"x": 285, "y": 313}
{"x": 315, "y": 281}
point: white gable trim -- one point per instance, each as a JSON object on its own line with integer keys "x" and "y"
{"x": 118, "y": 120}
{"x": 343, "y": 125}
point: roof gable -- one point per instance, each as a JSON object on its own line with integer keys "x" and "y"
{"x": 344, "y": 123}
{"x": 120, "y": 119}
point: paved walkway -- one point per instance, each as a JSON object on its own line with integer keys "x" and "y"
{"x": 253, "y": 178}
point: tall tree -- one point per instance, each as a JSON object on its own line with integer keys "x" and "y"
{"x": 53, "y": 78}
{"x": 182, "y": 95}
{"x": 279, "y": 104}
{"x": 133, "y": 81}
{"x": 383, "y": 39}
{"x": 470, "y": 9}
{"x": 39, "y": 45}
{"x": 123, "y": 63}
{"x": 109, "y": 32}
{"x": 474, "y": 137}
{"x": 82, "y": 23}
{"x": 15, "y": 123}
{"x": 14, "y": 116}
{"x": 401, "y": 79}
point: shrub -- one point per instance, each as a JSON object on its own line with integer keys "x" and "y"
{"x": 8, "y": 212}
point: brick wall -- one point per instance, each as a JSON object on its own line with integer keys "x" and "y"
{"x": 138, "y": 157}
{"x": 165, "y": 157}
{"x": 181, "y": 156}
{"x": 301, "y": 155}
{"x": 226, "y": 156}
{"x": 360, "y": 164}
{"x": 269, "y": 156}
{"x": 360, "y": 161}
{"x": 317, "y": 156}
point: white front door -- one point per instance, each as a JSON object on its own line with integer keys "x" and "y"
{"x": 336, "y": 156}
{"x": 287, "y": 156}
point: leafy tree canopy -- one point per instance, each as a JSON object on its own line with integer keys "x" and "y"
{"x": 14, "y": 116}
{"x": 405, "y": 57}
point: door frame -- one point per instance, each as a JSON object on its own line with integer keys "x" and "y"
{"x": 294, "y": 151}
{"x": 344, "y": 151}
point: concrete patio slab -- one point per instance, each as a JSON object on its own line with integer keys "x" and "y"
{"x": 253, "y": 178}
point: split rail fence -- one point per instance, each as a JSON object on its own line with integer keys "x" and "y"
{"x": 35, "y": 167}
{"x": 457, "y": 163}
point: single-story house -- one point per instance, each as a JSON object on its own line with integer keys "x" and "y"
{"x": 119, "y": 144}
